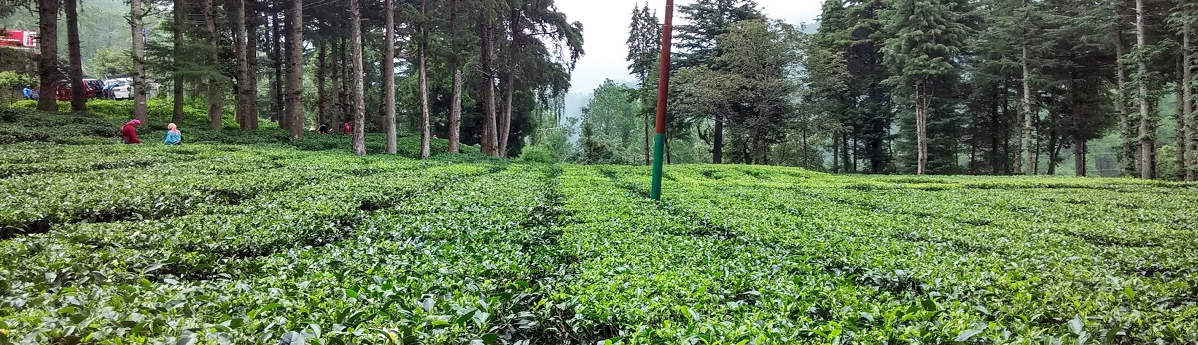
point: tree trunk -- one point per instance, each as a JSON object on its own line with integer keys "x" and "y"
{"x": 645, "y": 115}
{"x": 806, "y": 164}
{"x": 389, "y": 78}
{"x": 295, "y": 72}
{"x": 1017, "y": 127}
{"x": 844, "y": 153}
{"x": 177, "y": 88}
{"x": 1075, "y": 129}
{"x": 425, "y": 116}
{"x": 455, "y": 107}
{"x": 337, "y": 108}
{"x": 1079, "y": 157}
{"x": 252, "y": 23}
{"x": 322, "y": 73}
{"x": 47, "y": 62}
{"x": 277, "y": 57}
{"x": 216, "y": 104}
{"x": 974, "y": 166}
{"x": 1036, "y": 154}
{"x": 746, "y": 156}
{"x": 1147, "y": 132}
{"x": 1154, "y": 109}
{"x": 1127, "y": 155}
{"x": 505, "y": 123}
{"x": 1002, "y": 161}
{"x": 1182, "y": 168}
{"x": 271, "y": 41}
{"x": 490, "y": 144}
{"x": 78, "y": 89}
{"x": 765, "y": 154}
{"x": 835, "y": 152}
{"x": 763, "y": 149}
{"x": 717, "y": 141}
{"x": 856, "y": 150}
{"x": 216, "y": 94}
{"x": 347, "y": 83}
{"x": 455, "y": 112}
{"x": 245, "y": 90}
{"x": 140, "y": 109}
{"x": 1055, "y": 143}
{"x": 1053, "y": 137}
{"x": 380, "y": 115}
{"x": 922, "y": 101}
{"x": 668, "y": 159}
{"x": 355, "y": 51}
{"x": 284, "y": 40}
{"x": 1026, "y": 106}
{"x": 1188, "y": 97}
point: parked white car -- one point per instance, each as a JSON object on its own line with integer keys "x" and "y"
{"x": 120, "y": 88}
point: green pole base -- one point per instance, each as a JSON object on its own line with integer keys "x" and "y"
{"x": 659, "y": 143}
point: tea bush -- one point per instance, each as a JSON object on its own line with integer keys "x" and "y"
{"x": 250, "y": 238}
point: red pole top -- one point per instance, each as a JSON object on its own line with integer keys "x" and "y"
{"x": 663, "y": 80}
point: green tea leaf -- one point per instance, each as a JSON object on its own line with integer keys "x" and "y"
{"x": 964, "y": 336}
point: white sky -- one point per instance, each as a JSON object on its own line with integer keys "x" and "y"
{"x": 605, "y": 29}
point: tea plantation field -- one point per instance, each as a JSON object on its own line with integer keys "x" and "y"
{"x": 268, "y": 244}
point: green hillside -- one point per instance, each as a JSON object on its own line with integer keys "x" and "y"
{"x": 247, "y": 238}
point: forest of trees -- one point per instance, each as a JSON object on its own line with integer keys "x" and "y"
{"x": 478, "y": 72}
{"x": 996, "y": 87}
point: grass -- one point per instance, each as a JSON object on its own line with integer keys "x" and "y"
{"x": 265, "y": 240}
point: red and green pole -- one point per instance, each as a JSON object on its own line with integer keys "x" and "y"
{"x": 663, "y": 92}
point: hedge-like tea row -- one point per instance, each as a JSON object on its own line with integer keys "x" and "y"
{"x": 265, "y": 243}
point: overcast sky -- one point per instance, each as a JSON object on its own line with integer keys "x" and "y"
{"x": 605, "y": 29}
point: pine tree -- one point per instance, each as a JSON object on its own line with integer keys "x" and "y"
{"x": 456, "y": 34}
{"x": 253, "y": 21}
{"x": 422, "y": 66}
{"x": 871, "y": 104}
{"x": 644, "y": 43}
{"x": 516, "y": 32}
{"x": 486, "y": 32}
{"x": 322, "y": 76}
{"x": 1147, "y": 115}
{"x": 389, "y": 79}
{"x": 644, "y": 48}
{"x": 278, "y": 87}
{"x": 356, "y": 85}
{"x": 824, "y": 83}
{"x": 1189, "y": 21}
{"x": 295, "y": 70}
{"x": 78, "y": 89}
{"x": 1076, "y": 46}
{"x": 1184, "y": 20}
{"x": 246, "y": 88}
{"x": 922, "y": 54}
{"x": 136, "y": 15}
{"x": 1025, "y": 105}
{"x": 1127, "y": 152}
{"x": 697, "y": 45}
{"x": 829, "y": 52}
{"x": 706, "y": 20}
{"x": 177, "y": 57}
{"x": 47, "y": 62}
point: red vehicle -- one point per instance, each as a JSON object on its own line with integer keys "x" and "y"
{"x": 94, "y": 89}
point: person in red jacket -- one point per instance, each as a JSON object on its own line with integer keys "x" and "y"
{"x": 345, "y": 129}
{"x": 129, "y": 132}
